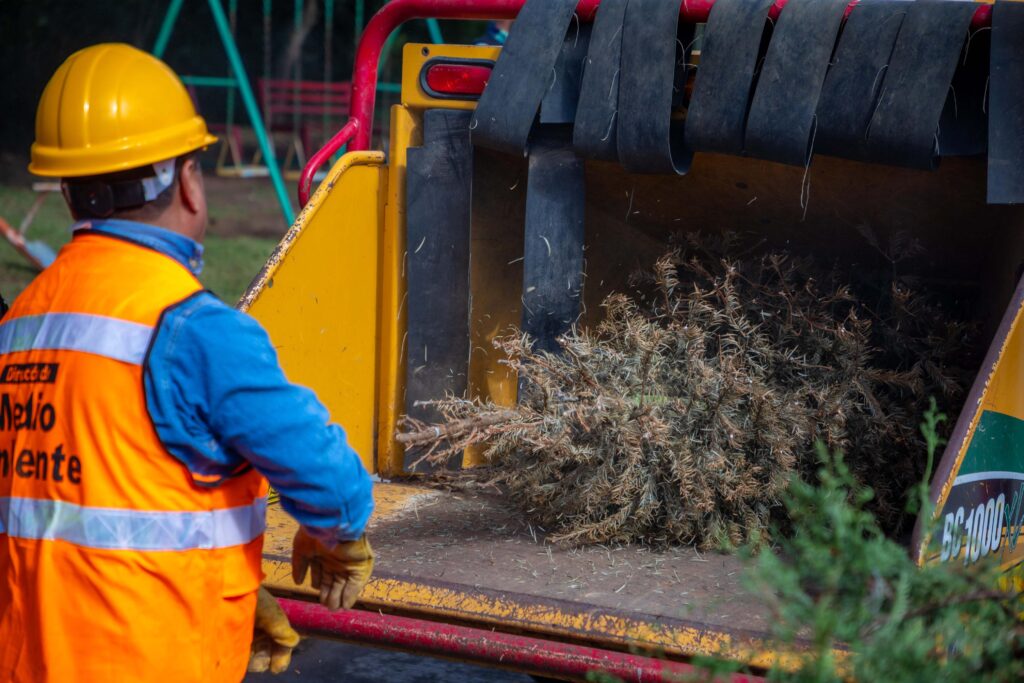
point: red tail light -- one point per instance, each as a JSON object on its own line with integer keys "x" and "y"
{"x": 456, "y": 79}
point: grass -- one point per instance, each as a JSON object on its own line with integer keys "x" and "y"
{"x": 231, "y": 261}
{"x": 50, "y": 226}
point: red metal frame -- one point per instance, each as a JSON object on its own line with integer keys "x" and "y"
{"x": 487, "y": 648}
{"x": 356, "y": 133}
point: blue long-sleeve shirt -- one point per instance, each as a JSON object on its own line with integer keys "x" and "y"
{"x": 219, "y": 399}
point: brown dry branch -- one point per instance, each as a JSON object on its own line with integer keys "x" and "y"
{"x": 681, "y": 417}
{"x": 420, "y": 434}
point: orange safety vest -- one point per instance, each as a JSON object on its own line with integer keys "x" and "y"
{"x": 116, "y": 563}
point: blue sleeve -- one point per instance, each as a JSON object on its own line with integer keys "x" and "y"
{"x": 218, "y": 399}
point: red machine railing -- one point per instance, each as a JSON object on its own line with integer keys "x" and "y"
{"x": 488, "y": 648}
{"x": 356, "y": 133}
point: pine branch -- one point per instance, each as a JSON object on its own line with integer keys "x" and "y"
{"x": 430, "y": 434}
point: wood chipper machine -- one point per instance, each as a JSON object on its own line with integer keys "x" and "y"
{"x": 521, "y": 185}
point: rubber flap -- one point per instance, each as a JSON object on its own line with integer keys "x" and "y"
{"x": 553, "y": 247}
{"x": 559, "y": 105}
{"x": 963, "y": 126}
{"x": 522, "y": 76}
{"x": 717, "y": 116}
{"x": 1006, "y": 106}
{"x": 439, "y": 183}
{"x": 850, "y": 94}
{"x": 594, "y": 134}
{"x": 782, "y": 115}
{"x": 652, "y": 88}
{"x": 904, "y": 127}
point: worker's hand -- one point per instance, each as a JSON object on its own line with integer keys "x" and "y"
{"x": 274, "y": 638}
{"x": 340, "y": 574}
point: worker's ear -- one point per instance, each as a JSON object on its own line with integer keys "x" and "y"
{"x": 193, "y": 196}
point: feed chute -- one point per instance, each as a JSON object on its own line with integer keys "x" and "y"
{"x": 605, "y": 130}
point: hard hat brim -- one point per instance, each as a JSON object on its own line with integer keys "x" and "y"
{"x": 124, "y": 154}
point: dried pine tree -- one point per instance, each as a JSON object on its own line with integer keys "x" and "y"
{"x": 682, "y": 416}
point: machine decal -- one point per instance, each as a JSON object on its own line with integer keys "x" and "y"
{"x": 978, "y": 489}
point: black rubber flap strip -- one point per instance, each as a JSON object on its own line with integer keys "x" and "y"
{"x": 855, "y": 79}
{"x": 1006, "y": 106}
{"x": 652, "y": 88}
{"x": 594, "y": 134}
{"x": 963, "y": 126}
{"x": 559, "y": 105}
{"x": 439, "y": 194}
{"x": 553, "y": 245}
{"x": 717, "y": 115}
{"x": 782, "y": 115}
{"x": 904, "y": 128}
{"x": 522, "y": 76}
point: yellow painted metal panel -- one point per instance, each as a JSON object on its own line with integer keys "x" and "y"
{"x": 317, "y": 296}
{"x": 1005, "y": 392}
{"x": 405, "y": 133}
{"x": 415, "y": 55}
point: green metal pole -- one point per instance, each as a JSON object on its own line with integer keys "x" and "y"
{"x": 435, "y": 32}
{"x": 209, "y": 81}
{"x": 167, "y": 27}
{"x": 252, "y": 110}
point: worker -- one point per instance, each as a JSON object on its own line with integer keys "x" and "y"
{"x": 141, "y": 418}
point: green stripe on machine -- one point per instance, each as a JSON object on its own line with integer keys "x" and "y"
{"x": 997, "y": 447}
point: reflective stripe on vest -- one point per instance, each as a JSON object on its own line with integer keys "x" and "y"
{"x": 113, "y": 529}
{"x": 116, "y": 339}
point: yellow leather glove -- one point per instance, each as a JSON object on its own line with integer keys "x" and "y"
{"x": 274, "y": 638}
{"x": 340, "y": 574}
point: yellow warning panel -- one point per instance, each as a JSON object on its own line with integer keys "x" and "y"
{"x": 318, "y": 295}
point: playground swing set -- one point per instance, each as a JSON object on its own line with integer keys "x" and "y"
{"x": 288, "y": 105}
{"x": 291, "y": 105}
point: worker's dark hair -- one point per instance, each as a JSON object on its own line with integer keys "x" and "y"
{"x": 113, "y": 194}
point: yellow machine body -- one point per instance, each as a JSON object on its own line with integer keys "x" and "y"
{"x": 333, "y": 299}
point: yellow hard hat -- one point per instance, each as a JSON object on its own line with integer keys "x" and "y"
{"x": 112, "y": 107}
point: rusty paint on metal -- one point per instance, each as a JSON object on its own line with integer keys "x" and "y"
{"x": 558, "y": 619}
{"x": 266, "y": 275}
